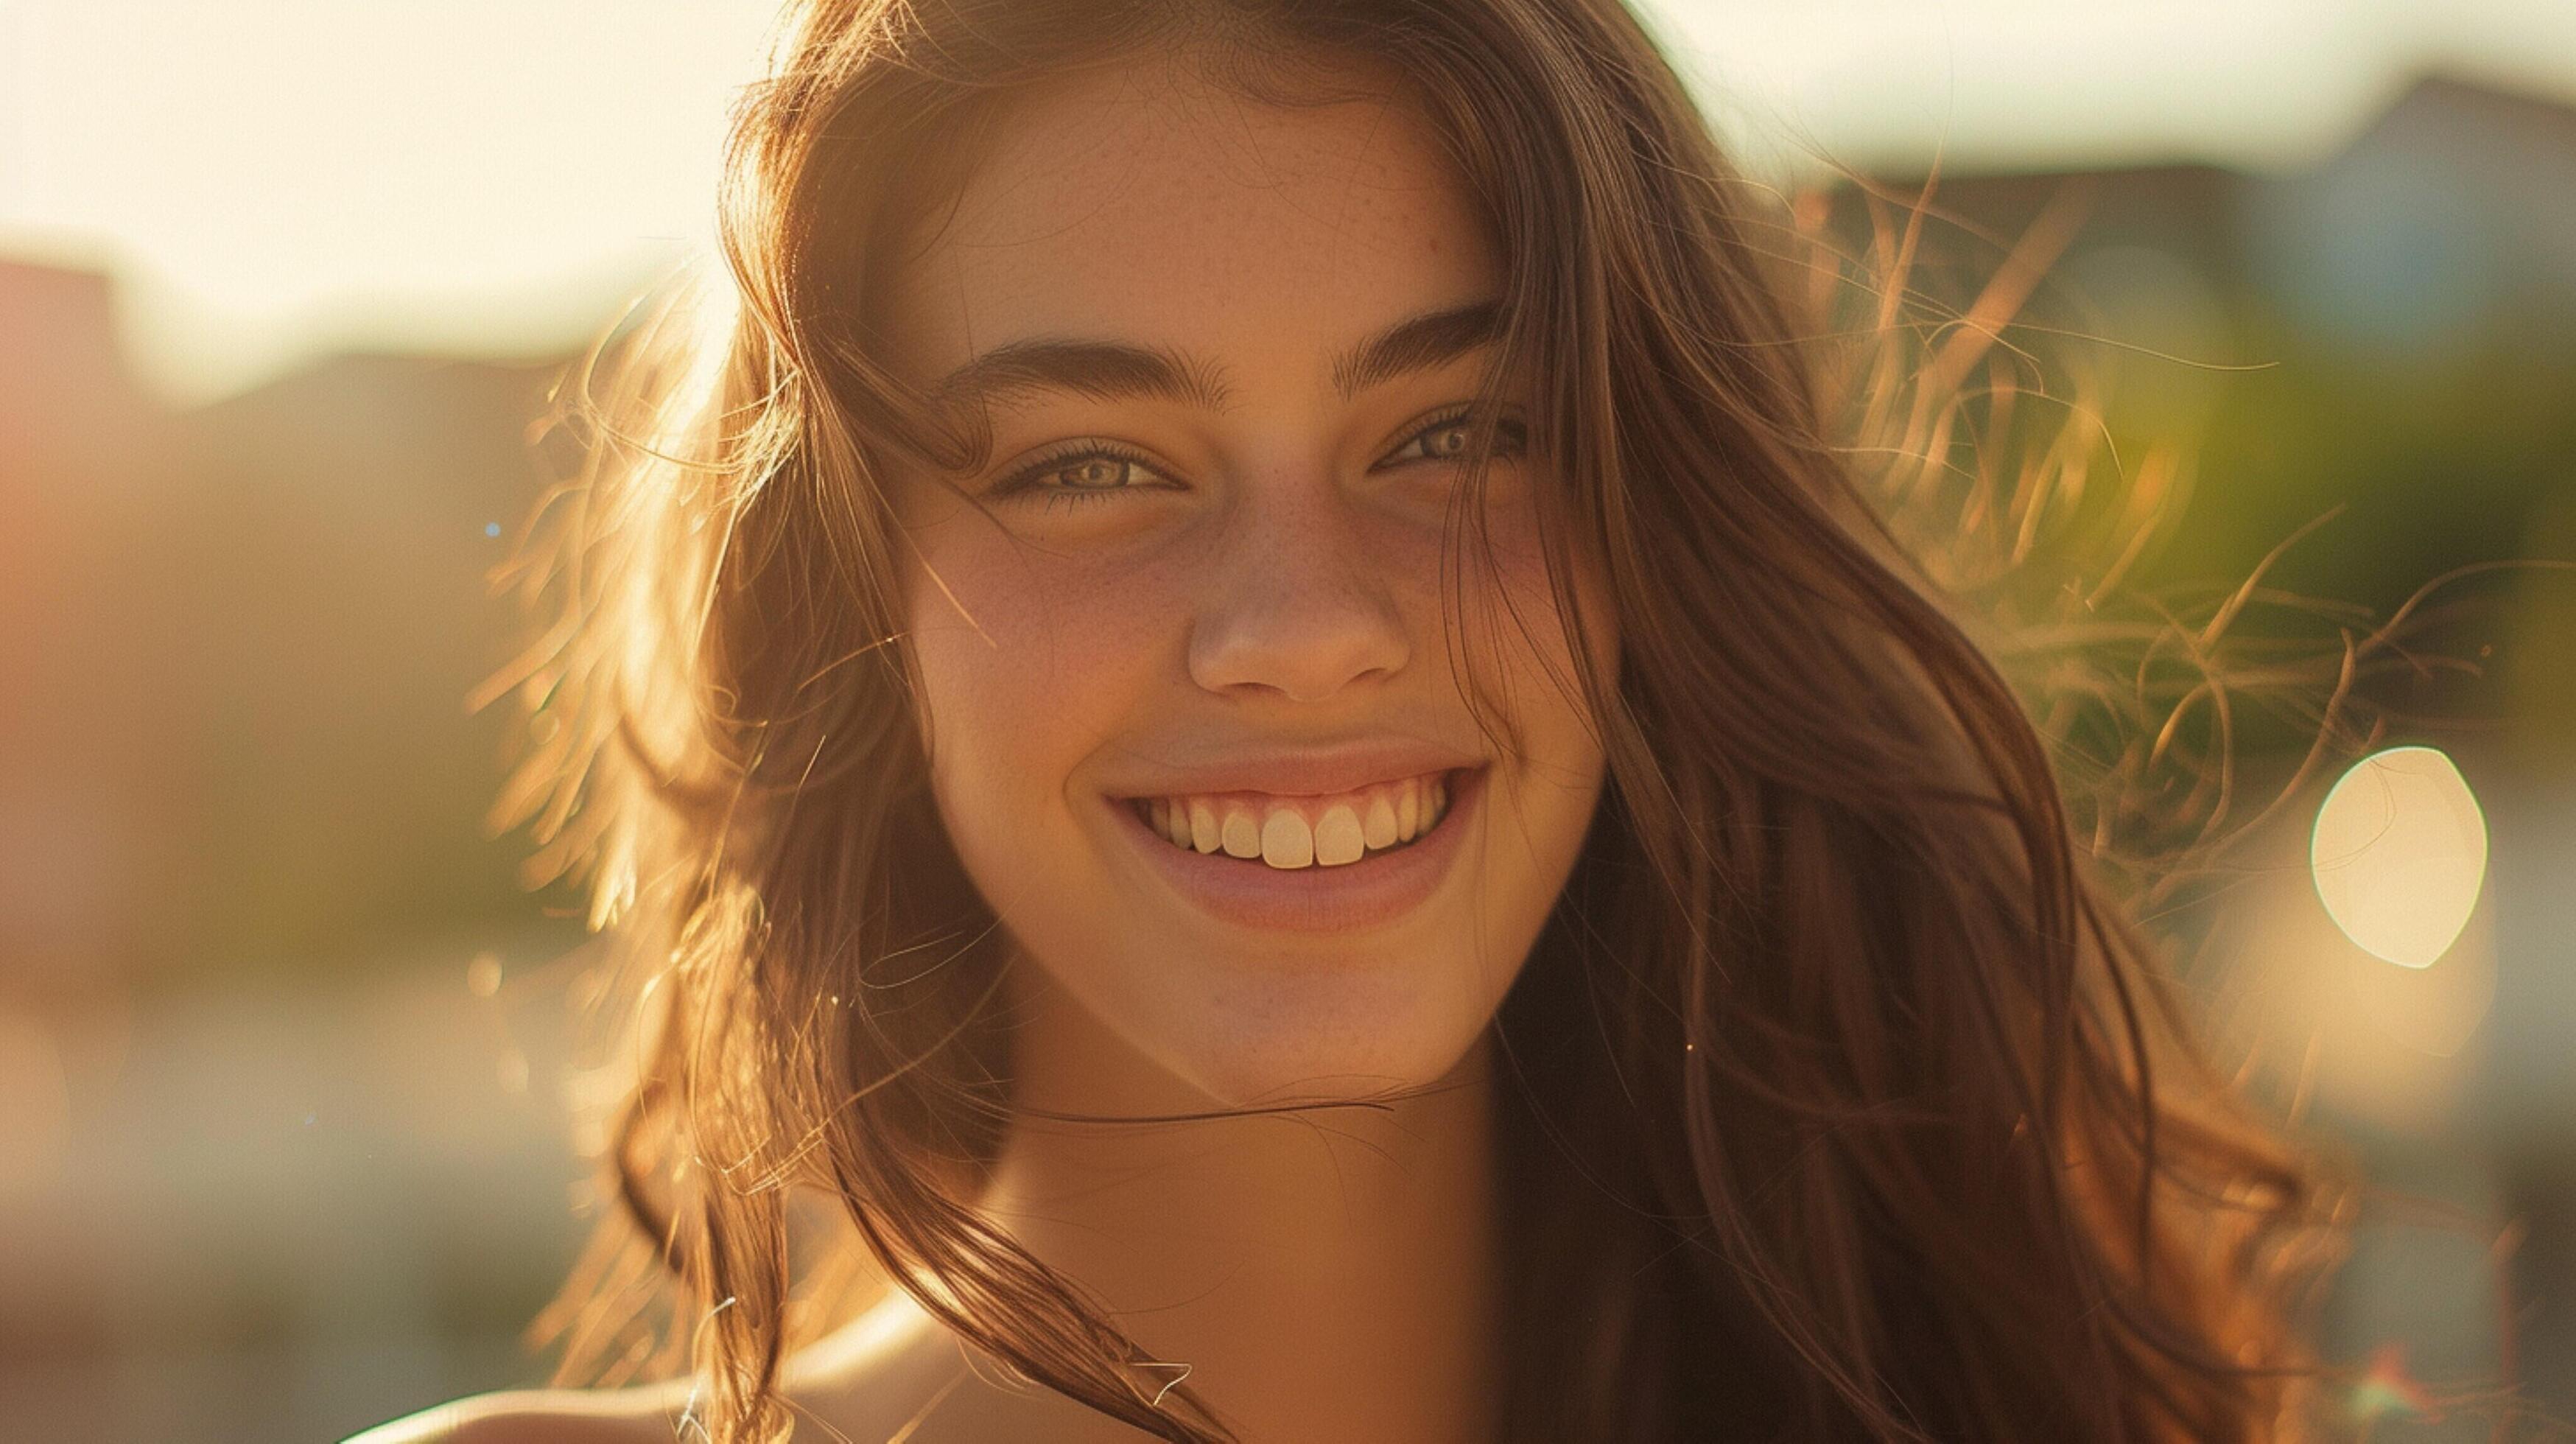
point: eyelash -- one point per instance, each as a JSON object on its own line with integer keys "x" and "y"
{"x": 1509, "y": 435}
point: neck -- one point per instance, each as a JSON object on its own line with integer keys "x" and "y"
{"x": 1327, "y": 1274}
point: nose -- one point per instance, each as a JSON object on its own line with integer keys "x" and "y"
{"x": 1297, "y": 605}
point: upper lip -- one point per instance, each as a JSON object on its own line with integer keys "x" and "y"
{"x": 1298, "y": 772}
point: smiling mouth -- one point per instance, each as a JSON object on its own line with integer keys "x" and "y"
{"x": 1294, "y": 832}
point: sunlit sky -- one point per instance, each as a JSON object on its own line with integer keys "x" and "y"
{"x": 271, "y": 179}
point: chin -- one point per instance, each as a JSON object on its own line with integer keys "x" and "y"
{"x": 1346, "y": 1044}
{"x": 1246, "y": 1031}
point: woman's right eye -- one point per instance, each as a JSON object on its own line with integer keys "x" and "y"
{"x": 1098, "y": 473}
{"x": 1087, "y": 472}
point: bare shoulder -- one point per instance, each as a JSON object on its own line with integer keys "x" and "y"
{"x": 553, "y": 1416}
{"x": 863, "y": 1383}
{"x": 896, "y": 1373}
{"x": 879, "y": 1375}
{"x": 893, "y": 1373}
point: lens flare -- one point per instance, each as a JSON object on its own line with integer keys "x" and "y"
{"x": 2400, "y": 854}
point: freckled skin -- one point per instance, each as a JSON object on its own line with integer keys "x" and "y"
{"x": 1262, "y": 584}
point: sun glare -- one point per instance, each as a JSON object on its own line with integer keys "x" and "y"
{"x": 270, "y": 180}
{"x": 2400, "y": 854}
{"x": 273, "y": 179}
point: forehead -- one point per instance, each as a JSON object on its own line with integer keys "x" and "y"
{"x": 1143, "y": 203}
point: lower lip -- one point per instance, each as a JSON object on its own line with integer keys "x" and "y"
{"x": 1353, "y": 897}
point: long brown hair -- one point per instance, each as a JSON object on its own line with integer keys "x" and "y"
{"x": 1845, "y": 1100}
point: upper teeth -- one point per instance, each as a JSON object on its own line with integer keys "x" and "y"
{"x": 1303, "y": 831}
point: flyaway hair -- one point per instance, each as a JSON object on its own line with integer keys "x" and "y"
{"x": 1845, "y": 1097}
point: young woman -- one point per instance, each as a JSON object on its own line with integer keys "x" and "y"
{"x": 1249, "y": 733}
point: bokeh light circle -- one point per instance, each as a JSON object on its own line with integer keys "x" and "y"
{"x": 2400, "y": 854}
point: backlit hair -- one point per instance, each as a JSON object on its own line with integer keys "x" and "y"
{"x": 1844, "y": 1099}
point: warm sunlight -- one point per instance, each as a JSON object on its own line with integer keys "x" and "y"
{"x": 1590, "y": 639}
{"x": 266, "y": 184}
{"x": 266, "y": 189}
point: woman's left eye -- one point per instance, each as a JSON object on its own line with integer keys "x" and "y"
{"x": 1450, "y": 438}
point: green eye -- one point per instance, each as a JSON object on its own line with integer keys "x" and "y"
{"x": 1093, "y": 473}
{"x": 1084, "y": 472}
{"x": 1450, "y": 438}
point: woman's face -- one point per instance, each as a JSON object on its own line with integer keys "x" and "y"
{"x": 1194, "y": 724}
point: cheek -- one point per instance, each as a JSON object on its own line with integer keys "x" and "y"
{"x": 1522, "y": 649}
{"x": 1028, "y": 664}
{"x": 1519, "y": 644}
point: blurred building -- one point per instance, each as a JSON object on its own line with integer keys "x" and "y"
{"x": 254, "y": 1128}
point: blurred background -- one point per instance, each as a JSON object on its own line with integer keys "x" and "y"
{"x": 285, "y": 1137}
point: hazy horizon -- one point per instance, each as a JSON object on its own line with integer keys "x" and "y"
{"x": 261, "y": 194}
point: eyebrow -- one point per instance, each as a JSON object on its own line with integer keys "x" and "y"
{"x": 1121, "y": 370}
